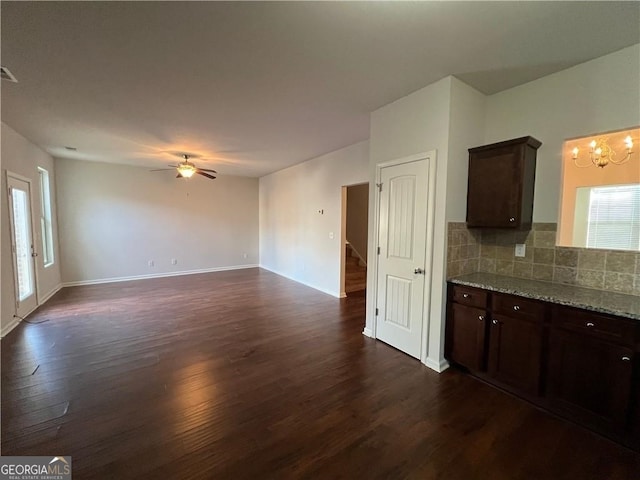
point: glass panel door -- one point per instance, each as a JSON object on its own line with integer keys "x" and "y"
{"x": 22, "y": 244}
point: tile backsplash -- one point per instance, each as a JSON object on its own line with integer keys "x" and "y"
{"x": 493, "y": 251}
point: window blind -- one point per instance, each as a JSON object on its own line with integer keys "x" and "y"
{"x": 614, "y": 217}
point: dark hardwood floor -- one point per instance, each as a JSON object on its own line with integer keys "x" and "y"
{"x": 245, "y": 374}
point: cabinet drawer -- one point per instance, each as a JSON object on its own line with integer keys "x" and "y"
{"x": 518, "y": 307}
{"x": 593, "y": 324}
{"x": 470, "y": 296}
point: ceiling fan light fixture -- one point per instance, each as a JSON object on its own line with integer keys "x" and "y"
{"x": 186, "y": 171}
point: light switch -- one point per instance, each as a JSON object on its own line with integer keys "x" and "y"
{"x": 520, "y": 249}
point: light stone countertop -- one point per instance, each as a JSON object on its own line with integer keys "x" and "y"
{"x": 595, "y": 300}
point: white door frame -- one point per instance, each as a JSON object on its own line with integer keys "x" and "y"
{"x": 430, "y": 156}
{"x": 17, "y": 176}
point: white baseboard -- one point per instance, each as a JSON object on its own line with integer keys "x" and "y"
{"x": 333, "y": 294}
{"x": 16, "y": 320}
{"x": 367, "y": 332}
{"x": 53, "y": 291}
{"x": 156, "y": 275}
{"x": 13, "y": 324}
{"x": 438, "y": 366}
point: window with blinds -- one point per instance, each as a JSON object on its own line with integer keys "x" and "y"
{"x": 614, "y": 217}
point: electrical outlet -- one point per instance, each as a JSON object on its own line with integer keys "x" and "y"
{"x": 330, "y": 235}
{"x": 151, "y": 264}
{"x": 520, "y": 249}
{"x": 174, "y": 261}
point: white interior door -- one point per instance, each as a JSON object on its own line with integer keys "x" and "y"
{"x": 401, "y": 263}
{"x": 22, "y": 244}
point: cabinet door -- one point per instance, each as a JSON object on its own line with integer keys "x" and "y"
{"x": 515, "y": 349}
{"x": 590, "y": 379}
{"x": 466, "y": 336}
{"x": 495, "y": 185}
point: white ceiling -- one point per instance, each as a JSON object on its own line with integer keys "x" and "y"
{"x": 255, "y": 87}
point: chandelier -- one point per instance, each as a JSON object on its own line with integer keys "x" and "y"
{"x": 601, "y": 154}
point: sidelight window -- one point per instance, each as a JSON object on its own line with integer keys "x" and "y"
{"x": 45, "y": 217}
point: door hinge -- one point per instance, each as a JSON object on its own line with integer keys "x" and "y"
{"x": 376, "y": 311}
{"x": 379, "y": 185}
{"x": 378, "y": 250}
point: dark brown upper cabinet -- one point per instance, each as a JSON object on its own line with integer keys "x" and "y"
{"x": 501, "y": 183}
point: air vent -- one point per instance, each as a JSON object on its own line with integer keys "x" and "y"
{"x": 7, "y": 75}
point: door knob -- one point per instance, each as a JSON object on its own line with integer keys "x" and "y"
{"x": 418, "y": 271}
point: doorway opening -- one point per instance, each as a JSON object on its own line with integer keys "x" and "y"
{"x": 355, "y": 224}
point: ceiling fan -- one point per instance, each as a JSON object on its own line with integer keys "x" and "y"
{"x": 186, "y": 169}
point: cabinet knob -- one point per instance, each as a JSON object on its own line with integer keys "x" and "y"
{"x": 626, "y": 359}
{"x": 590, "y": 324}
{"x": 481, "y": 317}
{"x": 516, "y": 307}
{"x": 495, "y": 322}
{"x": 465, "y": 295}
{"x": 512, "y": 219}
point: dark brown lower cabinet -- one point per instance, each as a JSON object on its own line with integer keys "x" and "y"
{"x": 590, "y": 380}
{"x": 467, "y": 328}
{"x": 582, "y": 365}
{"x": 515, "y": 347}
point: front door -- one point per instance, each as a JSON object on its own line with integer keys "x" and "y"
{"x": 22, "y": 244}
{"x": 402, "y": 265}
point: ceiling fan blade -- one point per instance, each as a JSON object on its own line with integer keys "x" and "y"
{"x": 179, "y": 175}
{"x": 205, "y": 174}
{"x": 207, "y": 170}
{"x": 160, "y": 169}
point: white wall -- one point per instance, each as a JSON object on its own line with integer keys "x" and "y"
{"x": 415, "y": 124}
{"x": 294, "y": 236}
{"x": 113, "y": 219}
{"x": 22, "y": 157}
{"x": 596, "y": 96}
{"x": 466, "y": 130}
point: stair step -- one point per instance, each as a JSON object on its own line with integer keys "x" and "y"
{"x": 355, "y": 278}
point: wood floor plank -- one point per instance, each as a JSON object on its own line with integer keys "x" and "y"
{"x": 245, "y": 374}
